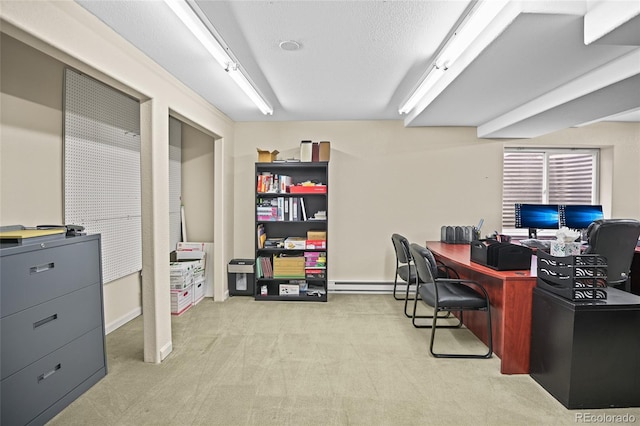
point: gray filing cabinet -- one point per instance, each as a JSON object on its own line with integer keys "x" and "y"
{"x": 52, "y": 326}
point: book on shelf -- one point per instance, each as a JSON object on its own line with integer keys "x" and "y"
{"x": 281, "y": 209}
{"x": 315, "y": 261}
{"x": 262, "y": 235}
{"x": 280, "y": 201}
{"x": 259, "y": 273}
{"x": 273, "y": 183}
{"x": 285, "y": 182}
{"x": 303, "y": 209}
{"x": 286, "y": 206}
{"x": 264, "y": 267}
{"x": 315, "y": 273}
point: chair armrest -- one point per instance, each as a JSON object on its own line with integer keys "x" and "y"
{"x": 464, "y": 282}
{"x": 449, "y": 271}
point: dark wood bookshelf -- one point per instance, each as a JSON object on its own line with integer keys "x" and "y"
{"x": 285, "y": 227}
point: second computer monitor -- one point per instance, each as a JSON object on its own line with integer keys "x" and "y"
{"x": 580, "y": 216}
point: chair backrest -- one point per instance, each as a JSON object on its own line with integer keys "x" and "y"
{"x": 615, "y": 239}
{"x": 424, "y": 262}
{"x": 401, "y": 246}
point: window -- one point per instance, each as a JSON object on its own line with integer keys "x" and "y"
{"x": 547, "y": 176}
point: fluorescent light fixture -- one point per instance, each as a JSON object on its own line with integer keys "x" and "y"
{"x": 474, "y": 24}
{"x": 426, "y": 85}
{"x": 249, "y": 90}
{"x": 193, "y": 22}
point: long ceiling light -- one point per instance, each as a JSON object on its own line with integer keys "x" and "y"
{"x": 475, "y": 23}
{"x": 191, "y": 20}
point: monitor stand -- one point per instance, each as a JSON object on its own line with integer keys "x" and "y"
{"x": 533, "y": 233}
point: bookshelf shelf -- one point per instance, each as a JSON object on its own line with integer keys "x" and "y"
{"x": 282, "y": 215}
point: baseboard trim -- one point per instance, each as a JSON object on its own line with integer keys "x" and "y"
{"x": 166, "y": 350}
{"x": 119, "y": 322}
{"x": 370, "y": 287}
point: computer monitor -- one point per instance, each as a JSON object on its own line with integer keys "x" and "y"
{"x": 537, "y": 216}
{"x": 580, "y": 216}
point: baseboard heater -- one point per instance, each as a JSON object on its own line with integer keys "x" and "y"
{"x": 371, "y": 287}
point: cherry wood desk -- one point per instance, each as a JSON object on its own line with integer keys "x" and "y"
{"x": 511, "y": 298}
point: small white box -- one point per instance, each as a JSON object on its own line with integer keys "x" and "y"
{"x": 181, "y": 274}
{"x": 289, "y": 289}
{"x": 295, "y": 243}
{"x": 181, "y": 283}
{"x": 190, "y": 246}
{"x": 198, "y": 291}
{"x": 190, "y": 251}
{"x": 189, "y": 254}
{"x": 181, "y": 300}
{"x": 562, "y": 249}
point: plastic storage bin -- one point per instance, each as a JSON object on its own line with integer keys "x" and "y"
{"x": 241, "y": 276}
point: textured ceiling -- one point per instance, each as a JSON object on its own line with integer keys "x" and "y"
{"x": 354, "y": 58}
{"x": 359, "y": 60}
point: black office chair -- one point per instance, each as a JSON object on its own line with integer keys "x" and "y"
{"x": 406, "y": 271}
{"x": 616, "y": 240}
{"x": 447, "y": 295}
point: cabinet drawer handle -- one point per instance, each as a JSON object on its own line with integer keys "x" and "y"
{"x": 41, "y": 268}
{"x": 45, "y": 320}
{"x": 48, "y": 374}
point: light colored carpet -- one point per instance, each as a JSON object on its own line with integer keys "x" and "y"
{"x": 355, "y": 360}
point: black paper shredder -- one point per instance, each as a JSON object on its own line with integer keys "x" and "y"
{"x": 241, "y": 277}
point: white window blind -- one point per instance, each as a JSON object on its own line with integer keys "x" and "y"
{"x": 572, "y": 178}
{"x": 547, "y": 176}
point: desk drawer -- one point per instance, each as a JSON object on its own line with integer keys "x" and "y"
{"x": 35, "y": 388}
{"x": 36, "y": 276}
{"x": 35, "y": 332}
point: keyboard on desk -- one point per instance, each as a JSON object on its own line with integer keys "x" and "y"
{"x": 536, "y": 244}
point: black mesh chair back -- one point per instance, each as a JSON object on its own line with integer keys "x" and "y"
{"x": 615, "y": 239}
{"x": 448, "y": 295}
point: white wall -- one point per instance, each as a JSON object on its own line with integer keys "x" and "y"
{"x": 31, "y": 122}
{"x": 386, "y": 178}
{"x": 198, "y": 183}
{"x": 69, "y": 34}
{"x": 31, "y": 157}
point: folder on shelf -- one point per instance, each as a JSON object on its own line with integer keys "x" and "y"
{"x": 32, "y": 235}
